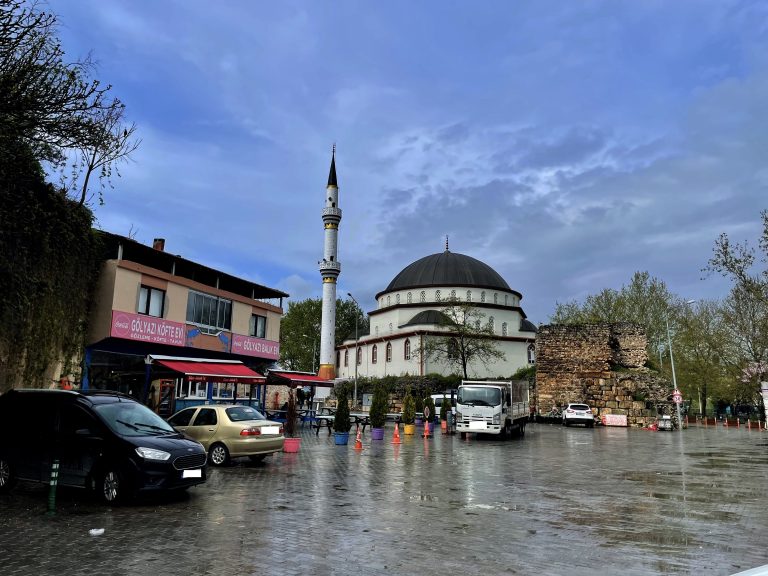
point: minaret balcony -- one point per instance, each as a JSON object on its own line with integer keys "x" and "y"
{"x": 329, "y": 267}
{"x": 331, "y": 215}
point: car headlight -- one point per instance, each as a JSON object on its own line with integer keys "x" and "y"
{"x": 458, "y": 415}
{"x": 497, "y": 418}
{"x": 152, "y": 453}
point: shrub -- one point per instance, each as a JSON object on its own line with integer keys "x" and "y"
{"x": 428, "y": 403}
{"x": 409, "y": 408}
{"x": 379, "y": 403}
{"x": 444, "y": 408}
{"x": 341, "y": 421}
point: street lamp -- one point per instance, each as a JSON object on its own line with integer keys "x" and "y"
{"x": 357, "y": 311}
{"x": 672, "y": 363}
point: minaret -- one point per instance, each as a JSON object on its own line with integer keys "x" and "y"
{"x": 329, "y": 269}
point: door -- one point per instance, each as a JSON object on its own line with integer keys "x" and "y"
{"x": 182, "y": 420}
{"x": 203, "y": 427}
{"x": 81, "y": 439}
{"x": 167, "y": 398}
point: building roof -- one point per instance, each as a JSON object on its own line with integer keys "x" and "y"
{"x": 332, "y": 173}
{"x": 428, "y": 317}
{"x": 447, "y": 269}
{"x": 528, "y": 326}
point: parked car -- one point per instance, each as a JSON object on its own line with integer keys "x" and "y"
{"x": 578, "y": 414}
{"x": 104, "y": 441}
{"x": 230, "y": 431}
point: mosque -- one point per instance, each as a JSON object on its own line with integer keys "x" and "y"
{"x": 414, "y": 307}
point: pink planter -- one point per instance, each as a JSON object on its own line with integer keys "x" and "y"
{"x": 291, "y": 444}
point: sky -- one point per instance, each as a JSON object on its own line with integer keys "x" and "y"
{"x": 565, "y": 144}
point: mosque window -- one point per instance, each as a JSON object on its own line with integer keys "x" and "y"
{"x": 495, "y": 298}
{"x": 423, "y": 296}
{"x": 397, "y": 299}
{"x": 469, "y": 295}
{"x": 377, "y": 330}
{"x": 531, "y": 354}
{"x": 409, "y": 298}
{"x": 453, "y": 294}
{"x": 390, "y": 327}
{"x": 389, "y": 352}
{"x": 506, "y": 299}
{"x": 504, "y": 329}
{"x": 490, "y": 324}
{"x": 359, "y": 356}
{"x": 407, "y": 349}
{"x": 346, "y": 357}
{"x": 374, "y": 354}
{"x": 482, "y": 296}
{"x": 388, "y": 301}
{"x": 437, "y": 295}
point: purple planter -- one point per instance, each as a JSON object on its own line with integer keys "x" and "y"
{"x": 377, "y": 433}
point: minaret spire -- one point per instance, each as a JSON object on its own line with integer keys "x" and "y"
{"x": 446, "y": 242}
{"x": 330, "y": 268}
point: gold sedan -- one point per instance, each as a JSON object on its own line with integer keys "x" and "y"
{"x": 230, "y": 431}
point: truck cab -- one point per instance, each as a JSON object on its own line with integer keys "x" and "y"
{"x": 486, "y": 407}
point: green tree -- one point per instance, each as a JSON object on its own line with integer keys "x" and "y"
{"x": 467, "y": 338}
{"x": 379, "y": 405}
{"x": 300, "y": 331}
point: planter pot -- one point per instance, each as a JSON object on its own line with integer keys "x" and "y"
{"x": 377, "y": 433}
{"x": 291, "y": 444}
{"x": 444, "y": 426}
{"x": 341, "y": 438}
{"x": 409, "y": 429}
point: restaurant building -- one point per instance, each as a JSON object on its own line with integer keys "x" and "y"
{"x": 172, "y": 332}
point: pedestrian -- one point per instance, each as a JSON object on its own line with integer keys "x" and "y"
{"x": 300, "y": 397}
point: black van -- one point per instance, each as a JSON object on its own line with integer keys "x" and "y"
{"x": 104, "y": 441}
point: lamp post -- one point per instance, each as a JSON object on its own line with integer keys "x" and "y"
{"x": 357, "y": 311}
{"x": 672, "y": 363}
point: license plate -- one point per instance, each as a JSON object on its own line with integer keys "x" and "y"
{"x": 477, "y": 426}
{"x": 192, "y": 473}
{"x": 270, "y": 429}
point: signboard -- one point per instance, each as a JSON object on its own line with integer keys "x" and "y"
{"x": 677, "y": 398}
{"x": 147, "y": 329}
{"x": 614, "y": 419}
{"x": 250, "y": 346}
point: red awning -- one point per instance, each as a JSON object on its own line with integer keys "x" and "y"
{"x": 298, "y": 379}
{"x": 211, "y": 371}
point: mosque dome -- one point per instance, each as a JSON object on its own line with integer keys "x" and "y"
{"x": 447, "y": 269}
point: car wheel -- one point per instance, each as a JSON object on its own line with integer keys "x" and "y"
{"x": 110, "y": 486}
{"x": 218, "y": 454}
{"x": 257, "y": 457}
{"x": 7, "y": 479}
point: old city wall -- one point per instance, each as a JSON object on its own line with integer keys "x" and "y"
{"x": 600, "y": 364}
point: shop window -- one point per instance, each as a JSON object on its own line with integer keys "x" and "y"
{"x": 210, "y": 313}
{"x": 258, "y": 327}
{"x": 151, "y": 301}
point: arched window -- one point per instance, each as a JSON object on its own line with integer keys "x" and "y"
{"x": 495, "y": 298}
{"x": 407, "y": 349}
{"x": 482, "y": 296}
{"x": 423, "y": 296}
{"x": 389, "y": 352}
{"x": 531, "y": 354}
{"x": 409, "y": 298}
{"x": 377, "y": 330}
{"x": 504, "y": 329}
{"x": 469, "y": 295}
{"x": 346, "y": 357}
{"x": 397, "y": 298}
{"x": 490, "y": 325}
{"x": 453, "y": 294}
{"x": 374, "y": 354}
{"x": 390, "y": 327}
{"x": 437, "y": 295}
{"x": 359, "y": 356}
{"x": 506, "y": 299}
{"x": 389, "y": 300}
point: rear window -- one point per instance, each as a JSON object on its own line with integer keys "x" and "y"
{"x": 242, "y": 413}
{"x": 579, "y": 407}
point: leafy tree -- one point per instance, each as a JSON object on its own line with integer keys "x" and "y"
{"x": 54, "y": 107}
{"x": 300, "y": 331}
{"x": 467, "y": 339}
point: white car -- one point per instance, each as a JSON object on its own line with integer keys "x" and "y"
{"x": 578, "y": 414}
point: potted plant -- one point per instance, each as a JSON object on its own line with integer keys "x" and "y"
{"x": 444, "y": 408}
{"x": 409, "y": 414}
{"x": 341, "y": 423}
{"x": 292, "y": 443}
{"x": 378, "y": 412}
{"x": 419, "y": 408}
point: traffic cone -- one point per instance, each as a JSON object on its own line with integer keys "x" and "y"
{"x": 358, "y": 441}
{"x": 426, "y": 429}
{"x": 396, "y": 437}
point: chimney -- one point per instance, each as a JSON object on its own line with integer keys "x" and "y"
{"x": 159, "y": 244}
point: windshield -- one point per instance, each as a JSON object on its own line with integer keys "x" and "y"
{"x": 241, "y": 413}
{"x": 133, "y": 419}
{"x": 479, "y": 396}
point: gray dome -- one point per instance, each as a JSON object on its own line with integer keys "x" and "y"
{"x": 447, "y": 269}
{"x": 527, "y": 326}
{"x": 428, "y": 317}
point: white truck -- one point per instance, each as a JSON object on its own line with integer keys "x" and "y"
{"x": 486, "y": 407}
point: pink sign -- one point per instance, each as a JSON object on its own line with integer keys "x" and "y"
{"x": 250, "y": 346}
{"x": 614, "y": 419}
{"x": 147, "y": 329}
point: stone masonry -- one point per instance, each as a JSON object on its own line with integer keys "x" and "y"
{"x": 602, "y": 365}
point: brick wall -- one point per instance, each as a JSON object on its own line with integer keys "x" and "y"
{"x": 600, "y": 364}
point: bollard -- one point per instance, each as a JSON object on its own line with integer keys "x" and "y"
{"x": 52, "y": 489}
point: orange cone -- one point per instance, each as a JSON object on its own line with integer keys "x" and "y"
{"x": 396, "y": 437}
{"x": 426, "y": 429}
{"x": 358, "y": 441}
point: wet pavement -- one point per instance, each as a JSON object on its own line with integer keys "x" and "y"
{"x": 561, "y": 501}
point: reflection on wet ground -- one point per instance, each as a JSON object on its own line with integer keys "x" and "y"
{"x": 561, "y": 501}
